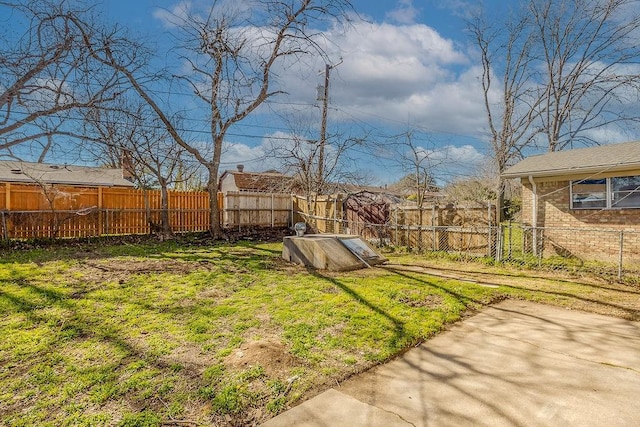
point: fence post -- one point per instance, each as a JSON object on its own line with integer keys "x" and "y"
{"x": 538, "y": 250}
{"x": 620, "y": 256}
{"x": 336, "y": 226}
{"x": 434, "y": 236}
{"x": 500, "y": 243}
{"x": 273, "y": 219}
{"x": 489, "y": 243}
{"x": 5, "y": 232}
{"x": 510, "y": 238}
{"x": 396, "y": 215}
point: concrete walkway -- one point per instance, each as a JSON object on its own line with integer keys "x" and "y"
{"x": 514, "y": 364}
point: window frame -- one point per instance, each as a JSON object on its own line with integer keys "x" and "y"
{"x": 610, "y": 203}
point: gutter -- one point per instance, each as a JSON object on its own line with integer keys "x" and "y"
{"x": 534, "y": 213}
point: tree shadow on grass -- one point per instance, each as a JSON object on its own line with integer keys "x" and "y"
{"x": 526, "y": 274}
{"x": 629, "y": 313}
{"x": 401, "y": 339}
{"x": 399, "y": 332}
{"x": 70, "y": 330}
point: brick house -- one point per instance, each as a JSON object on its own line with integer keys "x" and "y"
{"x": 574, "y": 193}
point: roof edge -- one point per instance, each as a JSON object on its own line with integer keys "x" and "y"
{"x": 572, "y": 171}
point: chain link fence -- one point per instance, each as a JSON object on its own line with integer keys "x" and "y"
{"x": 607, "y": 252}
{"x": 596, "y": 250}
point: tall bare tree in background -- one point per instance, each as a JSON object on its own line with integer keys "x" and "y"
{"x": 231, "y": 52}
{"x": 556, "y": 71}
{"x": 590, "y": 51}
{"x": 130, "y": 136}
{"x": 319, "y": 167}
{"x": 510, "y": 98}
{"x": 417, "y": 160}
{"x": 46, "y": 74}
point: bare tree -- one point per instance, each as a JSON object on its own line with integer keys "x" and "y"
{"x": 46, "y": 75}
{"x": 130, "y": 136}
{"x": 318, "y": 168}
{"x": 590, "y": 52}
{"x": 417, "y": 161}
{"x": 511, "y": 98}
{"x": 418, "y": 164}
{"x": 565, "y": 68}
{"x": 232, "y": 53}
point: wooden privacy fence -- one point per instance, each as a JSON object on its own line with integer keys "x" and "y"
{"x": 324, "y": 214}
{"x": 51, "y": 211}
{"x": 35, "y": 211}
{"x": 244, "y": 209}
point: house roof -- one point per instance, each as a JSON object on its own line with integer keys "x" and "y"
{"x": 270, "y": 181}
{"x": 27, "y": 172}
{"x": 603, "y": 158}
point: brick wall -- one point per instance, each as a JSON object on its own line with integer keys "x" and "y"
{"x": 585, "y": 233}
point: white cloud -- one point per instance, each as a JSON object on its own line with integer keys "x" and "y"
{"x": 185, "y": 11}
{"x": 176, "y": 16}
{"x": 400, "y": 74}
{"x": 465, "y": 154}
{"x": 254, "y": 158}
{"x": 462, "y": 8}
{"x": 261, "y": 157}
{"x": 404, "y": 13}
{"x": 391, "y": 76}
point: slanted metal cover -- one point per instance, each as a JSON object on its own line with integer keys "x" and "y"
{"x": 360, "y": 248}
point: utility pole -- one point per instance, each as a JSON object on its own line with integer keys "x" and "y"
{"x": 323, "y": 124}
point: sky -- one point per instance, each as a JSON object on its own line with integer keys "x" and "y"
{"x": 406, "y": 65}
{"x": 401, "y": 66}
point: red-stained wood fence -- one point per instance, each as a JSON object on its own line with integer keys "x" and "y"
{"x": 36, "y": 211}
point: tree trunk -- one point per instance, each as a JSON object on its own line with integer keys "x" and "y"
{"x": 164, "y": 209}
{"x": 215, "y": 228}
{"x": 500, "y": 213}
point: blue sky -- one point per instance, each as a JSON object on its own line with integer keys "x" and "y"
{"x": 407, "y": 66}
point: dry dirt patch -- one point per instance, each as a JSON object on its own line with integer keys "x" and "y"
{"x": 270, "y": 354}
{"x": 122, "y": 269}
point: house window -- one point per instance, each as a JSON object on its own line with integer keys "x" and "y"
{"x": 589, "y": 194}
{"x": 617, "y": 192}
{"x": 626, "y": 192}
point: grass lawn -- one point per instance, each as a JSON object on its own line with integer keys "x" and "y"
{"x": 160, "y": 333}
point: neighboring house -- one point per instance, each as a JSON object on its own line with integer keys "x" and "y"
{"x": 42, "y": 173}
{"x": 255, "y": 182}
{"x": 588, "y": 188}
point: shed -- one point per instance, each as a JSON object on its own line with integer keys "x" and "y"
{"x": 366, "y": 212}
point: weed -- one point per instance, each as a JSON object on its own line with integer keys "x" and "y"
{"x": 140, "y": 419}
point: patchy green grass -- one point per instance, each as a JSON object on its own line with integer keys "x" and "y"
{"x": 146, "y": 334}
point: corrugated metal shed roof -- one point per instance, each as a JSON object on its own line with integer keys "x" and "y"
{"x": 604, "y": 158}
{"x": 27, "y": 172}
